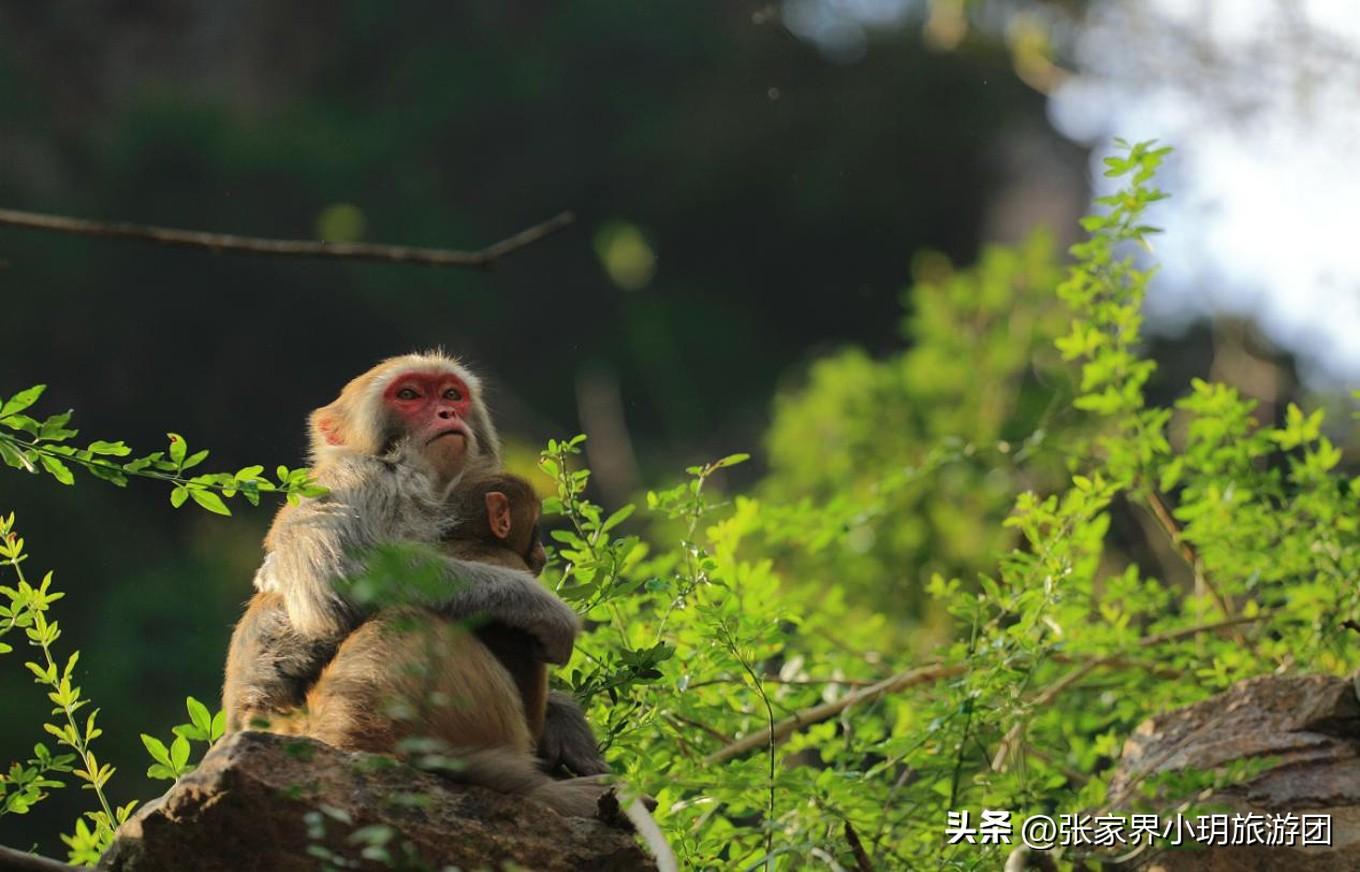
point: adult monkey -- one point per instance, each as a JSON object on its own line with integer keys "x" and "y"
{"x": 389, "y": 450}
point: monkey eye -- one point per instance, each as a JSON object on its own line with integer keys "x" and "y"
{"x": 407, "y": 394}
{"x": 453, "y": 394}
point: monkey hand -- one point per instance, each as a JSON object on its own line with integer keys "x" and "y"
{"x": 567, "y": 742}
{"x": 515, "y": 598}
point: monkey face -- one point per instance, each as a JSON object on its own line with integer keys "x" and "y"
{"x": 431, "y": 409}
{"x": 514, "y": 524}
{"x": 532, "y": 549}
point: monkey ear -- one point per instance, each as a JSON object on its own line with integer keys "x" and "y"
{"x": 498, "y": 514}
{"x": 327, "y": 426}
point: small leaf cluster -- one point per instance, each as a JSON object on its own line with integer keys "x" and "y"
{"x": 26, "y": 610}
{"x": 38, "y": 446}
{"x": 173, "y": 761}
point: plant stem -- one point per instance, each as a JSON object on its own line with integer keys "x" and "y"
{"x": 77, "y": 736}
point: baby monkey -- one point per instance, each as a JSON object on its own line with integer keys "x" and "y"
{"x": 498, "y": 523}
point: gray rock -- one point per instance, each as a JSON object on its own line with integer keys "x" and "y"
{"x": 1308, "y": 726}
{"x": 245, "y": 808}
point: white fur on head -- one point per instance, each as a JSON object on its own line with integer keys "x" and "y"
{"x": 358, "y": 412}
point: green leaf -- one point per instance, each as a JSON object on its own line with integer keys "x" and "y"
{"x": 179, "y": 753}
{"x": 54, "y": 428}
{"x": 16, "y": 458}
{"x": 617, "y": 518}
{"x": 178, "y": 447}
{"x": 58, "y": 470}
{"x": 249, "y": 473}
{"x": 156, "y": 748}
{"x": 198, "y": 714}
{"x": 730, "y": 460}
{"x": 22, "y": 400}
{"x": 160, "y": 772}
{"x": 210, "y": 501}
{"x": 22, "y": 422}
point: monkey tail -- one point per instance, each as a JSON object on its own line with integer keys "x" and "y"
{"x": 514, "y": 772}
{"x": 647, "y": 828}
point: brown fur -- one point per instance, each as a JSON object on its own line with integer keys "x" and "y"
{"x": 515, "y": 547}
{"x": 513, "y": 649}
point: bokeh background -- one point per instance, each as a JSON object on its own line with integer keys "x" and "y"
{"x": 756, "y": 186}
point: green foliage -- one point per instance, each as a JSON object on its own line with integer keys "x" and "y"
{"x": 173, "y": 761}
{"x": 42, "y": 446}
{"x": 744, "y": 664}
{"x": 26, "y": 608}
{"x": 706, "y": 632}
{"x": 885, "y": 472}
{"x": 27, "y": 611}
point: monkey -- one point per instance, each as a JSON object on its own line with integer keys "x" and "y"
{"x": 389, "y": 451}
{"x": 501, "y": 525}
{"x": 498, "y": 523}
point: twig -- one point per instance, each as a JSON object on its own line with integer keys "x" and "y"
{"x": 1009, "y": 741}
{"x": 925, "y": 674}
{"x": 699, "y": 726}
{"x": 857, "y": 848}
{"x": 1128, "y": 663}
{"x": 19, "y": 861}
{"x": 796, "y": 682}
{"x": 1183, "y": 632}
{"x": 225, "y": 242}
{"x": 826, "y": 711}
{"x": 1187, "y": 551}
{"x": 686, "y": 749}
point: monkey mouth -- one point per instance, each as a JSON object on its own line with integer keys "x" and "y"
{"x": 458, "y": 430}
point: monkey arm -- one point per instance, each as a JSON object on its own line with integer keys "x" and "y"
{"x": 269, "y": 666}
{"x": 568, "y": 741}
{"x": 516, "y": 599}
{"x": 372, "y": 502}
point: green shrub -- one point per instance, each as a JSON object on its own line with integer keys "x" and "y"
{"x": 755, "y": 662}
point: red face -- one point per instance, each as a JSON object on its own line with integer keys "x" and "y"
{"x": 432, "y": 408}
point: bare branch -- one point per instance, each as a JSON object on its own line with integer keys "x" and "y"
{"x": 699, "y": 726}
{"x": 862, "y": 861}
{"x": 1045, "y": 697}
{"x": 224, "y": 242}
{"x": 1173, "y": 531}
{"x": 19, "y": 861}
{"x": 937, "y": 672}
{"x": 826, "y": 711}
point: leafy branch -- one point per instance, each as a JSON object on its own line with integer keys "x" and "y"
{"x": 25, "y": 607}
{"x": 27, "y": 610}
{"x": 38, "y": 446}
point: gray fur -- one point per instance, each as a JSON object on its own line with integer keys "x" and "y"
{"x": 568, "y": 744}
{"x": 374, "y": 501}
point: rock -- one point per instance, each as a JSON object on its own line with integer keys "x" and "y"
{"x": 1308, "y": 727}
{"x": 247, "y": 807}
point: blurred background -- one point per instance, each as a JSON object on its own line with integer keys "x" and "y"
{"x": 763, "y": 192}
